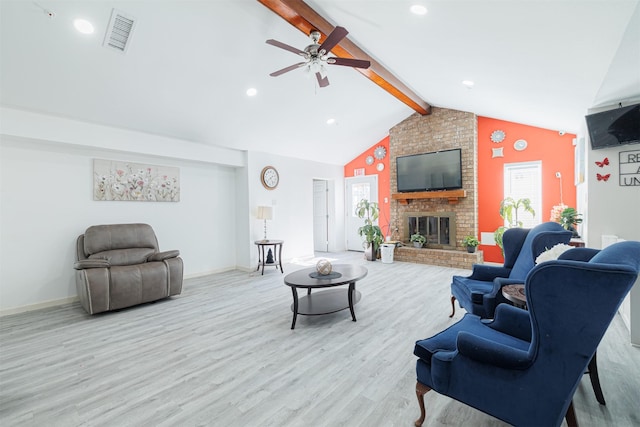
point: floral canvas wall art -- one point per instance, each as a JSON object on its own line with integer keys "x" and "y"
{"x": 117, "y": 180}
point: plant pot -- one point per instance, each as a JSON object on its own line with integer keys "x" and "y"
{"x": 471, "y": 249}
{"x": 370, "y": 252}
{"x": 417, "y": 244}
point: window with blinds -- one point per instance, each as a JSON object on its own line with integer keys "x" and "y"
{"x": 524, "y": 180}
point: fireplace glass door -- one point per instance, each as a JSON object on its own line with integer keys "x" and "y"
{"x": 436, "y": 228}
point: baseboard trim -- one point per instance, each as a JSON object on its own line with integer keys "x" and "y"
{"x": 207, "y": 273}
{"x": 68, "y": 300}
{"x": 38, "y": 306}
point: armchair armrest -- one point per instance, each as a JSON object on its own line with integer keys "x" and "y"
{"x": 488, "y": 272}
{"x": 499, "y": 282}
{"x": 91, "y": 263}
{"x": 512, "y": 321}
{"x": 503, "y": 281}
{"x": 579, "y": 254}
{"x": 161, "y": 256}
{"x": 492, "y": 353}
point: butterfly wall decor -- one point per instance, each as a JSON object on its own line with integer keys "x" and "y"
{"x": 605, "y": 162}
{"x": 604, "y": 178}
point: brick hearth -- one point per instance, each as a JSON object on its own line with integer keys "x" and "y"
{"x": 441, "y": 257}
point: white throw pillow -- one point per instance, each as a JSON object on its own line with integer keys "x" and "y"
{"x": 553, "y": 253}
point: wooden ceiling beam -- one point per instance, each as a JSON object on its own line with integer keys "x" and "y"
{"x": 303, "y": 17}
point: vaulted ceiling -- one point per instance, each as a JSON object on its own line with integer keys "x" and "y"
{"x": 189, "y": 64}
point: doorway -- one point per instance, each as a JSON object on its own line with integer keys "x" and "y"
{"x": 320, "y": 215}
{"x": 356, "y": 189}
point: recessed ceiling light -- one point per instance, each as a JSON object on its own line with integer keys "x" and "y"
{"x": 84, "y": 26}
{"x": 468, "y": 83}
{"x": 418, "y": 9}
{"x": 331, "y": 121}
{"x": 252, "y": 91}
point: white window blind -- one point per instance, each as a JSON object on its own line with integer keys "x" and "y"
{"x": 524, "y": 180}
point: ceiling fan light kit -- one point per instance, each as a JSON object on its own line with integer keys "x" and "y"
{"x": 316, "y": 55}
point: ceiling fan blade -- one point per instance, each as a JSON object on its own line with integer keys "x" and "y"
{"x": 357, "y": 63}
{"x": 322, "y": 81}
{"x": 285, "y": 46}
{"x": 287, "y": 69}
{"x": 333, "y": 39}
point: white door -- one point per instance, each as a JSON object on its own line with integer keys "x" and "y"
{"x": 356, "y": 189}
{"x": 320, "y": 216}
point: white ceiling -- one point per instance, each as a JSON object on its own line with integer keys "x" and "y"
{"x": 542, "y": 63}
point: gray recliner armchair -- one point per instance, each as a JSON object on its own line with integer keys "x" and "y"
{"x": 119, "y": 266}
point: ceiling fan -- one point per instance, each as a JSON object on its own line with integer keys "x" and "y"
{"x": 316, "y": 55}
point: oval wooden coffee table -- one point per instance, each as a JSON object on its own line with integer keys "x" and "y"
{"x": 328, "y": 301}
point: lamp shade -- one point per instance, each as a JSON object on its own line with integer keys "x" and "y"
{"x": 265, "y": 212}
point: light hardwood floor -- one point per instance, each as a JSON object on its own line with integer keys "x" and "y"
{"x": 223, "y": 354}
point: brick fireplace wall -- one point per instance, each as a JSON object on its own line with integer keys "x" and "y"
{"x": 443, "y": 129}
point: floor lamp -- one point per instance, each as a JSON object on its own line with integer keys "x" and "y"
{"x": 266, "y": 213}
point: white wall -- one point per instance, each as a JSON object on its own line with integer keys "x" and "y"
{"x": 43, "y": 127}
{"x": 47, "y": 202}
{"x": 611, "y": 209}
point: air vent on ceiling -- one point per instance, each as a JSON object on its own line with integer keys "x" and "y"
{"x": 119, "y": 31}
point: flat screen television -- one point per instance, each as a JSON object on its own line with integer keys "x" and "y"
{"x": 614, "y": 127}
{"x": 441, "y": 170}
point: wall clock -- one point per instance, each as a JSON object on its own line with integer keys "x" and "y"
{"x": 498, "y": 136}
{"x": 369, "y": 160}
{"x": 269, "y": 177}
{"x": 380, "y": 152}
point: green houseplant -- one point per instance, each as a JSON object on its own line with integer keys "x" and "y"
{"x": 509, "y": 209}
{"x": 471, "y": 243}
{"x": 371, "y": 233}
{"x": 418, "y": 240}
{"x": 569, "y": 218}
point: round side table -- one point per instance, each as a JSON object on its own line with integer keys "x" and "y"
{"x": 271, "y": 259}
{"x": 515, "y": 294}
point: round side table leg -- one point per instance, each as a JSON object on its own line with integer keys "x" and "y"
{"x": 352, "y": 291}
{"x": 295, "y": 306}
{"x": 280, "y": 258}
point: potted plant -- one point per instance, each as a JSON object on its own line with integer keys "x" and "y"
{"x": 371, "y": 233}
{"x": 509, "y": 209}
{"x": 471, "y": 243}
{"x": 418, "y": 240}
{"x": 569, "y": 218}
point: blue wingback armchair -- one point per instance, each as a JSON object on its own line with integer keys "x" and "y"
{"x": 524, "y": 366}
{"x": 480, "y": 293}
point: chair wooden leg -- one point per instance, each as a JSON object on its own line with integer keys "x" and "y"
{"x": 571, "y": 416}
{"x": 421, "y": 389}
{"x": 453, "y": 306}
{"x": 595, "y": 380}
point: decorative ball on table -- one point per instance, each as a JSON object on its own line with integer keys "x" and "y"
{"x": 324, "y": 267}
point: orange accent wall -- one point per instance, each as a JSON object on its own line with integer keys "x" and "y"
{"x": 556, "y": 153}
{"x": 384, "y": 187}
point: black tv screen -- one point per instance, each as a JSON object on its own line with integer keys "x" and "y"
{"x": 441, "y": 170}
{"x": 614, "y": 127}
